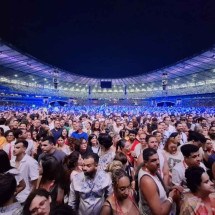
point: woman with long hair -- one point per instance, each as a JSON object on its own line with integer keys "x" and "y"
{"x": 175, "y": 137}
{"x": 172, "y": 153}
{"x": 35, "y": 136}
{"x": 61, "y": 145}
{"x": 121, "y": 201}
{"x": 88, "y": 125}
{"x": 9, "y": 145}
{"x": 93, "y": 143}
{"x": 96, "y": 126}
{"x": 83, "y": 148}
{"x": 124, "y": 147}
{"x": 116, "y": 138}
{"x": 52, "y": 178}
{"x": 73, "y": 164}
{"x": 65, "y": 134}
{"x": 106, "y": 153}
{"x": 139, "y": 131}
{"x": 5, "y": 167}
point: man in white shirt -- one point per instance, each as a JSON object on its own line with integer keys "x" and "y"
{"x": 191, "y": 158}
{"x": 170, "y": 129}
{"x": 28, "y": 168}
{"x": 19, "y": 134}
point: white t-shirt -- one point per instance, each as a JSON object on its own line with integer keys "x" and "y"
{"x": 173, "y": 159}
{"x": 178, "y": 173}
{"x": 29, "y": 170}
{"x": 16, "y": 174}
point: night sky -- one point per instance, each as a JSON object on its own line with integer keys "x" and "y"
{"x": 109, "y": 38}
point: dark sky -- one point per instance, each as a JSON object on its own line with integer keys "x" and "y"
{"x": 109, "y": 38}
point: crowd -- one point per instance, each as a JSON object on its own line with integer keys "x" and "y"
{"x": 107, "y": 160}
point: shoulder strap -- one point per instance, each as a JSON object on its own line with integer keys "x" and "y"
{"x": 110, "y": 206}
{"x": 137, "y": 196}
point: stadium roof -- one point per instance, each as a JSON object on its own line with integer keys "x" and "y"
{"x": 13, "y": 62}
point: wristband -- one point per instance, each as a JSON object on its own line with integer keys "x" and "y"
{"x": 170, "y": 200}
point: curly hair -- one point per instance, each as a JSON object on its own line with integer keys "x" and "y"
{"x": 114, "y": 165}
{"x": 117, "y": 174}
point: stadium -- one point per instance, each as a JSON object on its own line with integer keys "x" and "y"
{"x": 107, "y": 107}
{"x": 189, "y": 82}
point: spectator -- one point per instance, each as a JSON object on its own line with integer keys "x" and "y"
{"x": 47, "y": 146}
{"x": 191, "y": 158}
{"x": 38, "y": 202}
{"x": 9, "y": 145}
{"x": 90, "y": 188}
{"x": 56, "y": 131}
{"x": 80, "y": 133}
{"x": 52, "y": 178}
{"x": 28, "y": 168}
{"x": 61, "y": 145}
{"x": 122, "y": 199}
{"x": 8, "y": 203}
{"x": 106, "y": 153}
{"x": 199, "y": 200}
{"x": 5, "y": 167}
{"x": 153, "y": 197}
{"x": 93, "y": 143}
{"x": 173, "y": 155}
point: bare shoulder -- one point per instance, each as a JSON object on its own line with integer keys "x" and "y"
{"x": 147, "y": 185}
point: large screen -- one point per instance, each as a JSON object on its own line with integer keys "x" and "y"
{"x": 106, "y": 84}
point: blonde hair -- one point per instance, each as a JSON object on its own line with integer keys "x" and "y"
{"x": 114, "y": 165}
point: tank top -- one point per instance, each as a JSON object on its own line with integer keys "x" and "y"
{"x": 143, "y": 205}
